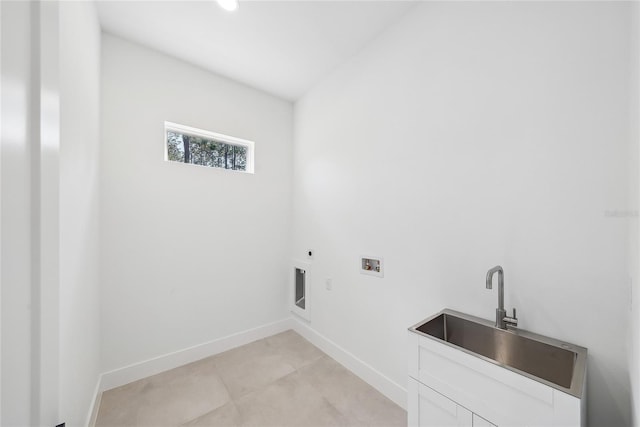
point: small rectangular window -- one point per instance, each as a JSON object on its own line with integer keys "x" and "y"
{"x": 185, "y": 144}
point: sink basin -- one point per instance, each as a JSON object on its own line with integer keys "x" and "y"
{"x": 558, "y": 364}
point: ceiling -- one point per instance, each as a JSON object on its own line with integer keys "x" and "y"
{"x": 281, "y": 47}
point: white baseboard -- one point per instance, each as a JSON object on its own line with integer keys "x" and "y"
{"x": 95, "y": 404}
{"x": 366, "y": 372}
{"x": 165, "y": 362}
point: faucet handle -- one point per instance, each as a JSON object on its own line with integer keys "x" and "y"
{"x": 511, "y": 321}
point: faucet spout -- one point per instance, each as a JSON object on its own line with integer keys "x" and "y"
{"x": 490, "y": 273}
{"x": 502, "y": 320}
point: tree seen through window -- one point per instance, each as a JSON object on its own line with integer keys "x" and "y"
{"x": 205, "y": 152}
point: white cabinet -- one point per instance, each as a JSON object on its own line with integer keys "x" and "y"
{"x": 431, "y": 409}
{"x": 453, "y": 388}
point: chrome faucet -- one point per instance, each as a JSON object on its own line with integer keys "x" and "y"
{"x": 502, "y": 320}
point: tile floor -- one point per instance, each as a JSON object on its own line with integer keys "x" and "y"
{"x": 282, "y": 380}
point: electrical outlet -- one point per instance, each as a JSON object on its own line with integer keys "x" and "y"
{"x": 328, "y": 284}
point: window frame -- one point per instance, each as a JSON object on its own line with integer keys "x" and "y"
{"x": 201, "y": 133}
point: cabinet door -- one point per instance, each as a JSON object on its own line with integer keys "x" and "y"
{"x": 478, "y": 421}
{"x": 428, "y": 408}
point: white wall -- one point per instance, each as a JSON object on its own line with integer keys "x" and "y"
{"x": 16, "y": 206}
{"x": 634, "y": 231}
{"x": 79, "y": 209}
{"x": 30, "y": 207}
{"x": 189, "y": 254}
{"x": 45, "y": 221}
{"x": 469, "y": 135}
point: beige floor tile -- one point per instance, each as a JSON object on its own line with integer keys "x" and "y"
{"x": 251, "y": 367}
{"x": 225, "y": 416}
{"x": 182, "y": 394}
{"x": 119, "y": 406}
{"x": 294, "y": 348}
{"x": 282, "y": 380}
{"x": 167, "y": 399}
{"x": 242, "y": 354}
{"x": 354, "y": 398}
{"x": 288, "y": 402}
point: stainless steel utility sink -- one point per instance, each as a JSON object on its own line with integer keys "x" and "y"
{"x": 552, "y": 362}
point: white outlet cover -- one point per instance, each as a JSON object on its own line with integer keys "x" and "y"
{"x": 329, "y": 284}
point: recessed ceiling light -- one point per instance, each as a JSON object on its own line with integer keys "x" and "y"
{"x": 229, "y": 5}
